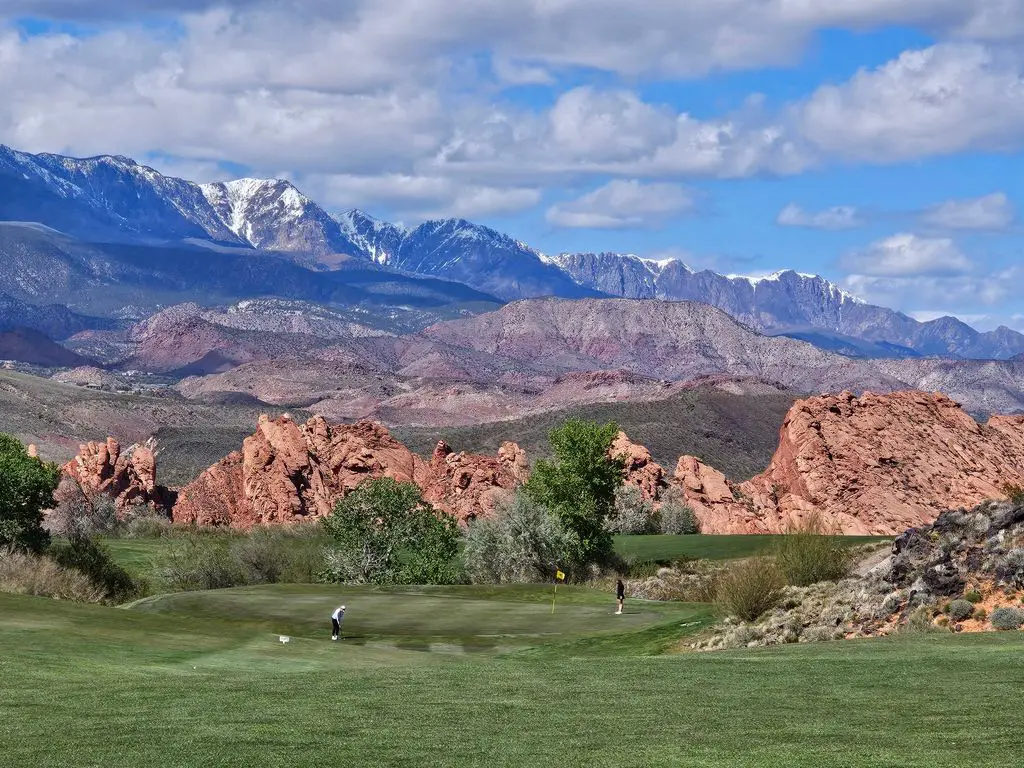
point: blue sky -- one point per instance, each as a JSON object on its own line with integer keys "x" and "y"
{"x": 876, "y": 142}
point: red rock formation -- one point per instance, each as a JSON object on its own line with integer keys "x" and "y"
{"x": 466, "y": 485}
{"x": 641, "y": 469}
{"x": 876, "y": 464}
{"x": 287, "y": 472}
{"x": 128, "y": 477}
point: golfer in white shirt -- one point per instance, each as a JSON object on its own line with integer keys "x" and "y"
{"x": 336, "y": 617}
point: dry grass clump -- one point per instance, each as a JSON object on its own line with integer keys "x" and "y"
{"x": 22, "y": 573}
{"x": 748, "y": 588}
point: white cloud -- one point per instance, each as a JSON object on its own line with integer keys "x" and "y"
{"x": 960, "y": 294}
{"x": 417, "y": 198}
{"x": 908, "y": 256}
{"x": 623, "y": 205}
{"x": 936, "y": 101}
{"x": 990, "y": 212}
{"x": 838, "y": 217}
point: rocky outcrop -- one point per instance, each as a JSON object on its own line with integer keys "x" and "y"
{"x": 876, "y": 464}
{"x": 287, "y": 472}
{"x": 467, "y": 485}
{"x": 976, "y": 554}
{"x": 128, "y": 477}
{"x": 641, "y": 470}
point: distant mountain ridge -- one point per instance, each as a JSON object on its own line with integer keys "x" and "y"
{"x": 113, "y": 198}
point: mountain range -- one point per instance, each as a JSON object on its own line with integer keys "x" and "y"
{"x": 108, "y": 238}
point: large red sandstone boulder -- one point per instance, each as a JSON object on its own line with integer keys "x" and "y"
{"x": 287, "y": 472}
{"x": 128, "y": 477}
{"x": 876, "y": 464}
{"x": 641, "y": 469}
{"x": 466, "y": 485}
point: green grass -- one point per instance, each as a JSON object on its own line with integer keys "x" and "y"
{"x": 640, "y": 549}
{"x": 736, "y": 434}
{"x": 97, "y": 686}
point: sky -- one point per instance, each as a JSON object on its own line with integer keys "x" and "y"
{"x": 879, "y": 143}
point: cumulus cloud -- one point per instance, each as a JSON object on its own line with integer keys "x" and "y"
{"x": 623, "y": 204}
{"x": 837, "y": 217}
{"x": 908, "y": 255}
{"x": 989, "y": 212}
{"x": 936, "y": 101}
{"x": 417, "y": 198}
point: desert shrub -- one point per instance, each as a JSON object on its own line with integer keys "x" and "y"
{"x": 980, "y": 614}
{"x": 145, "y": 523}
{"x": 93, "y": 559}
{"x": 383, "y": 532}
{"x": 26, "y": 489}
{"x": 942, "y": 621}
{"x": 677, "y": 518}
{"x": 807, "y": 554}
{"x": 632, "y": 513}
{"x": 920, "y": 621}
{"x": 523, "y": 542}
{"x": 1007, "y": 618}
{"x": 960, "y": 610}
{"x": 1015, "y": 493}
{"x": 196, "y": 562}
{"x": 972, "y": 596}
{"x": 27, "y": 573}
{"x": 75, "y": 514}
{"x": 748, "y": 588}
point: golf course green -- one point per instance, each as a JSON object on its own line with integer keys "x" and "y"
{"x": 466, "y": 676}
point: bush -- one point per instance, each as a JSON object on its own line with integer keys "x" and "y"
{"x": 93, "y": 559}
{"x": 973, "y": 596}
{"x": 523, "y": 543}
{"x": 1015, "y": 493}
{"x": 1007, "y": 618}
{"x": 808, "y": 555}
{"x": 676, "y": 518}
{"x": 197, "y": 562}
{"x": 980, "y": 614}
{"x": 26, "y": 489}
{"x": 26, "y": 573}
{"x": 920, "y": 622}
{"x": 748, "y": 588}
{"x": 77, "y": 515}
{"x": 632, "y": 514}
{"x": 961, "y": 610}
{"x": 383, "y": 532}
{"x": 142, "y": 522}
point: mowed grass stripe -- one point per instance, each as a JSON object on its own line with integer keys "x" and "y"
{"x": 68, "y": 701}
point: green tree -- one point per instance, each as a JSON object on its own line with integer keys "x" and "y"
{"x": 385, "y": 533}
{"x": 579, "y": 487}
{"x": 26, "y": 489}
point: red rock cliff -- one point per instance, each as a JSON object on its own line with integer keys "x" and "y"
{"x": 128, "y": 477}
{"x": 287, "y": 472}
{"x": 876, "y": 464}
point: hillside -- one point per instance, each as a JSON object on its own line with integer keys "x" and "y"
{"x": 735, "y": 432}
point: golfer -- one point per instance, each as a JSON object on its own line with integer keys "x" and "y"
{"x": 620, "y": 594}
{"x": 336, "y": 617}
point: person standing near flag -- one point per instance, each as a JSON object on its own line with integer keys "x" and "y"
{"x": 620, "y": 595}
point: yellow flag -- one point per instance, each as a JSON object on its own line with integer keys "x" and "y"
{"x": 559, "y": 575}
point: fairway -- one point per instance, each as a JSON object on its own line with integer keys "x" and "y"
{"x": 98, "y": 686}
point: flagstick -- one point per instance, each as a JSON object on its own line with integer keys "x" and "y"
{"x": 553, "y": 597}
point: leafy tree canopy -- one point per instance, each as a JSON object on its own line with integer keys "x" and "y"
{"x": 26, "y": 489}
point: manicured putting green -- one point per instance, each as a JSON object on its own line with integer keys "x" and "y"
{"x": 484, "y": 615}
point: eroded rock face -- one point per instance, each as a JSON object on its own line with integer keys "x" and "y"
{"x": 641, "y": 469}
{"x": 128, "y": 477}
{"x": 287, "y": 472}
{"x": 876, "y": 464}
